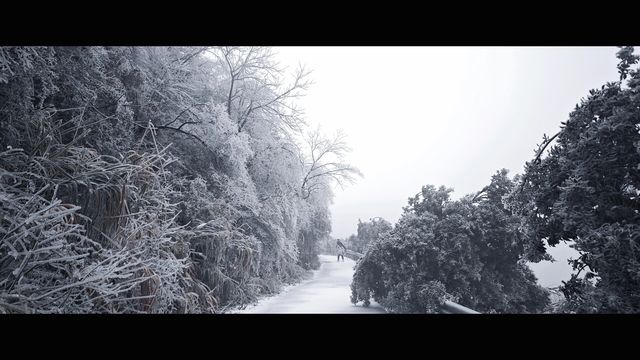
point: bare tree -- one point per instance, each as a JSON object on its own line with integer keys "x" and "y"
{"x": 256, "y": 87}
{"x": 325, "y": 162}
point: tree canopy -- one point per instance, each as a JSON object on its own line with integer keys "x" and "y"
{"x": 468, "y": 251}
{"x": 585, "y": 192}
{"x": 154, "y": 179}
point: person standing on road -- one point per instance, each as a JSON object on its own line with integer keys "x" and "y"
{"x": 342, "y": 250}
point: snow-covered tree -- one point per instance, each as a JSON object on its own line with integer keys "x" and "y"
{"x": 368, "y": 232}
{"x": 151, "y": 179}
{"x": 585, "y": 192}
{"x": 468, "y": 251}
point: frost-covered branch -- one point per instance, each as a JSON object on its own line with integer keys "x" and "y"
{"x": 318, "y": 170}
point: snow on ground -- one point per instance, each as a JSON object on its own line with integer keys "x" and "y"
{"x": 328, "y": 291}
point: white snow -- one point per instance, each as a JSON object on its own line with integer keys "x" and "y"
{"x": 328, "y": 291}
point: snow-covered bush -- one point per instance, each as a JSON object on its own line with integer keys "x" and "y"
{"x": 50, "y": 264}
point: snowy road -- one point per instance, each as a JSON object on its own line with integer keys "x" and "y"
{"x": 327, "y": 292}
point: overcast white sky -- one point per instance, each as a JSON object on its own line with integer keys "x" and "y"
{"x": 443, "y": 116}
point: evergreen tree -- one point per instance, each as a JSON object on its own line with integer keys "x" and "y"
{"x": 585, "y": 193}
{"x": 469, "y": 251}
